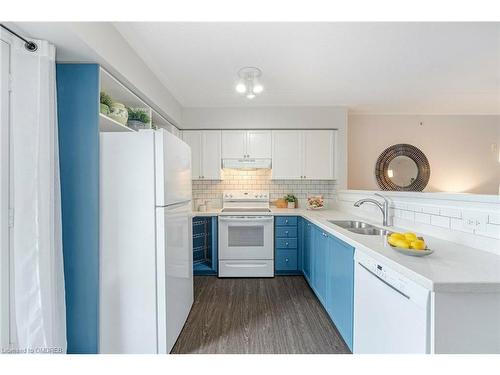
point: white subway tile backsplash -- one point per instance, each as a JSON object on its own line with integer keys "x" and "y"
{"x": 491, "y": 230}
{"x": 211, "y": 190}
{"x": 494, "y": 219}
{"x": 399, "y": 205}
{"x": 408, "y": 215}
{"x": 451, "y": 212}
{"x": 430, "y": 210}
{"x": 413, "y": 207}
{"x": 422, "y": 218}
{"x": 440, "y": 221}
{"x": 458, "y": 224}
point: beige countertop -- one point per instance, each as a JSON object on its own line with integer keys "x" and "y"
{"x": 451, "y": 268}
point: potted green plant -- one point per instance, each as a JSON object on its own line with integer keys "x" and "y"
{"x": 291, "y": 200}
{"x": 105, "y": 103}
{"x": 138, "y": 118}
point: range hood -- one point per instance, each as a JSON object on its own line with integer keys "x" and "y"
{"x": 246, "y": 163}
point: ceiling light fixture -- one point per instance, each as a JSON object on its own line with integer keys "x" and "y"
{"x": 248, "y": 83}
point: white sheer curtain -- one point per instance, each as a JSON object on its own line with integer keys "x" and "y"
{"x": 39, "y": 313}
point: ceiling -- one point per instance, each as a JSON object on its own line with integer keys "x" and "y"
{"x": 368, "y": 67}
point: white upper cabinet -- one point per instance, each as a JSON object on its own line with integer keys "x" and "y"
{"x": 211, "y": 155}
{"x": 303, "y": 154}
{"x": 234, "y": 144}
{"x": 193, "y": 139}
{"x": 318, "y": 154}
{"x": 287, "y": 160}
{"x": 205, "y": 153}
{"x": 241, "y": 144}
{"x": 259, "y": 144}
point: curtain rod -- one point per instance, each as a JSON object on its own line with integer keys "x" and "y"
{"x": 29, "y": 45}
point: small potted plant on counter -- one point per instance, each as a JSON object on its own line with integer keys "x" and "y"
{"x": 291, "y": 200}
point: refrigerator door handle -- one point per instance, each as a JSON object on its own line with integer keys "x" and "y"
{"x": 177, "y": 204}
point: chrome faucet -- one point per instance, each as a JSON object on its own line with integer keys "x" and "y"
{"x": 383, "y": 207}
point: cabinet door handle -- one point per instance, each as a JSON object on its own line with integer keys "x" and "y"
{"x": 286, "y": 222}
{"x": 286, "y": 260}
{"x": 286, "y": 232}
{"x": 286, "y": 243}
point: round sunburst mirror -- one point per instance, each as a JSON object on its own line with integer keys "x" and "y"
{"x": 402, "y": 167}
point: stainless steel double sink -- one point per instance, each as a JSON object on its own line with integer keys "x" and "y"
{"x": 360, "y": 227}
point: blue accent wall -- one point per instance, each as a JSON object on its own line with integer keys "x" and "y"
{"x": 78, "y": 122}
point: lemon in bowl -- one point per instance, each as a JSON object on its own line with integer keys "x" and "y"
{"x": 410, "y": 236}
{"x": 417, "y": 244}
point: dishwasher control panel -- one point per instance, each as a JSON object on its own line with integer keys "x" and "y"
{"x": 389, "y": 276}
{"x": 396, "y": 280}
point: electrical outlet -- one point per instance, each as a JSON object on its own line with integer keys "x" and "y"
{"x": 475, "y": 221}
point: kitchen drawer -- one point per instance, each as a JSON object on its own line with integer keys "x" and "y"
{"x": 286, "y": 260}
{"x": 286, "y": 243}
{"x": 286, "y": 232}
{"x": 286, "y": 220}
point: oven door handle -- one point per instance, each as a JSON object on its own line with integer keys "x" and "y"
{"x": 246, "y": 218}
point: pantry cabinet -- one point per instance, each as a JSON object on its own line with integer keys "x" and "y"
{"x": 205, "y": 153}
{"x": 244, "y": 144}
{"x": 303, "y": 154}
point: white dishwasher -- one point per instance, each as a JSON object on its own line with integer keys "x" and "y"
{"x": 391, "y": 312}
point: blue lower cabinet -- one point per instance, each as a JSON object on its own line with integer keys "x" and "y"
{"x": 286, "y": 220}
{"x": 286, "y": 260}
{"x": 286, "y": 232}
{"x": 307, "y": 250}
{"x": 319, "y": 278}
{"x": 286, "y": 245}
{"x": 340, "y": 286}
{"x": 327, "y": 263}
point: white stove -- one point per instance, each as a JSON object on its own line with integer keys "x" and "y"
{"x": 246, "y": 232}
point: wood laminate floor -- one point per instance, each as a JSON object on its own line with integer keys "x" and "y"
{"x": 278, "y": 315}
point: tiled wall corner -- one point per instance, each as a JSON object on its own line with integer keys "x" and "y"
{"x": 260, "y": 179}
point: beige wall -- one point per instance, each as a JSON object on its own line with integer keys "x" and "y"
{"x": 462, "y": 150}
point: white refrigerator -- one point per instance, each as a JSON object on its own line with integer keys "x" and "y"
{"x": 146, "y": 272}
